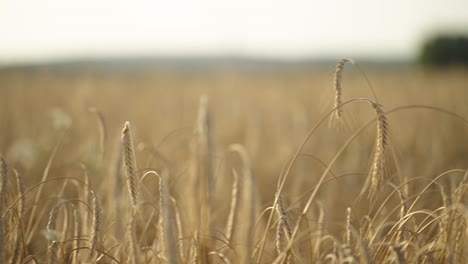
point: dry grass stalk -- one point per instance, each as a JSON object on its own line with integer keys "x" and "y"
{"x": 52, "y": 233}
{"x": 52, "y": 252}
{"x": 21, "y": 191}
{"x": 221, "y": 256}
{"x": 131, "y": 233}
{"x": 117, "y": 194}
{"x": 2, "y": 238}
{"x": 3, "y": 200}
{"x": 195, "y": 248}
{"x": 95, "y": 227}
{"x": 376, "y": 174}
{"x": 398, "y": 255}
{"x": 102, "y": 131}
{"x": 316, "y": 249}
{"x": 250, "y": 200}
{"x": 233, "y": 208}
{"x": 129, "y": 159}
{"x": 4, "y": 182}
{"x": 88, "y": 198}
{"x": 51, "y": 225}
{"x": 403, "y": 212}
{"x": 202, "y": 178}
{"x": 338, "y": 87}
{"x": 76, "y": 235}
{"x": 31, "y": 224}
{"x": 180, "y": 228}
{"x": 349, "y": 226}
{"x": 15, "y": 258}
{"x": 165, "y": 224}
{"x": 21, "y": 208}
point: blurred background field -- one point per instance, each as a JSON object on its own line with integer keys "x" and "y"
{"x": 268, "y": 111}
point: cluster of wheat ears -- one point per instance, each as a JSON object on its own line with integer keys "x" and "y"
{"x": 152, "y": 221}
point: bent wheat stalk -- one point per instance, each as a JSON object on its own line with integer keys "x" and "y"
{"x": 376, "y": 173}
{"x": 249, "y": 200}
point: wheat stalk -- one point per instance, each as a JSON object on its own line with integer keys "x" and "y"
{"x": 195, "y": 248}
{"x": 21, "y": 191}
{"x": 130, "y": 163}
{"x": 53, "y": 252}
{"x": 131, "y": 230}
{"x": 233, "y": 208}
{"x": 52, "y": 233}
{"x": 21, "y": 208}
{"x": 117, "y": 194}
{"x": 284, "y": 231}
{"x": 31, "y": 226}
{"x": 349, "y": 226}
{"x": 338, "y": 87}
{"x": 376, "y": 173}
{"x": 202, "y": 177}
{"x": 77, "y": 234}
{"x": 3, "y": 199}
{"x": 165, "y": 224}
{"x": 102, "y": 131}
{"x": 2, "y": 238}
{"x": 221, "y": 256}
{"x": 87, "y": 195}
{"x": 250, "y": 201}
{"x": 180, "y": 229}
{"x": 95, "y": 228}
{"x": 4, "y": 182}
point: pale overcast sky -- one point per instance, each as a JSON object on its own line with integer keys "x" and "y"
{"x": 61, "y": 29}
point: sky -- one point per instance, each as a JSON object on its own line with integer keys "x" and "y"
{"x": 37, "y": 30}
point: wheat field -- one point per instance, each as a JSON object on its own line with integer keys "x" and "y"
{"x": 347, "y": 164}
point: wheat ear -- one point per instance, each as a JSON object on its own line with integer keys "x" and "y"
{"x": 283, "y": 234}
{"x": 129, "y": 160}
{"x": 52, "y": 233}
{"x": 130, "y": 163}
{"x": 338, "y": 87}
{"x": 376, "y": 174}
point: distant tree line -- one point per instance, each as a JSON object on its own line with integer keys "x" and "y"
{"x": 445, "y": 51}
